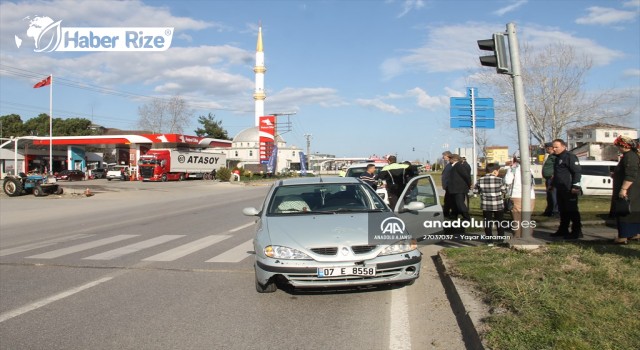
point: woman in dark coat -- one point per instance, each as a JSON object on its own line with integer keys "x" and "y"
{"x": 626, "y": 183}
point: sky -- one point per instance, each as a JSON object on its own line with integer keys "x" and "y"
{"x": 362, "y": 77}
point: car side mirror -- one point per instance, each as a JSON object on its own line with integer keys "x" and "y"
{"x": 412, "y": 206}
{"x": 250, "y": 211}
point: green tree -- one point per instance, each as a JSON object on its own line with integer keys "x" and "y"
{"x": 11, "y": 125}
{"x": 211, "y": 128}
{"x": 72, "y": 127}
{"x": 38, "y": 126}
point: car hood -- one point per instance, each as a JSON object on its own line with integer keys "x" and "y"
{"x": 304, "y": 231}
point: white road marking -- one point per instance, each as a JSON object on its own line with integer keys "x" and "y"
{"x": 186, "y": 249}
{"x": 399, "y": 328}
{"x": 132, "y": 248}
{"x": 236, "y": 254}
{"x": 241, "y": 227}
{"x": 32, "y": 246}
{"x": 43, "y": 302}
{"x": 81, "y": 247}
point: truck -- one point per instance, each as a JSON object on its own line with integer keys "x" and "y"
{"x": 167, "y": 164}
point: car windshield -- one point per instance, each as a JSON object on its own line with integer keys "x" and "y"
{"x": 323, "y": 198}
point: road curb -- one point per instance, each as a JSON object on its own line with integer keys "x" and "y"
{"x": 468, "y": 316}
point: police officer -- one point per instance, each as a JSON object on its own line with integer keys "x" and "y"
{"x": 566, "y": 182}
{"x": 547, "y": 174}
{"x": 395, "y": 175}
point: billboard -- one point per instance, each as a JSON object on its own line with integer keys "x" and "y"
{"x": 267, "y": 131}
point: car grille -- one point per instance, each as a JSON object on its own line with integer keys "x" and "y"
{"x": 361, "y": 249}
{"x": 146, "y": 171}
{"x": 325, "y": 251}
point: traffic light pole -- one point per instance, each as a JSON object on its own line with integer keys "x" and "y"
{"x": 523, "y": 129}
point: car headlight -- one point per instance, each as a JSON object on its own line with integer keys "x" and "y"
{"x": 406, "y": 245}
{"x": 280, "y": 252}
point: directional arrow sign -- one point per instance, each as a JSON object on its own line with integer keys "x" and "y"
{"x": 462, "y": 102}
{"x": 466, "y": 113}
{"x": 466, "y": 123}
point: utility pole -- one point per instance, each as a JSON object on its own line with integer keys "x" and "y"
{"x": 308, "y": 137}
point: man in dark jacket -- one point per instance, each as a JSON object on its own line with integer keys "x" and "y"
{"x": 458, "y": 185}
{"x": 566, "y": 182}
{"x": 394, "y": 174}
{"x": 448, "y": 201}
{"x": 547, "y": 174}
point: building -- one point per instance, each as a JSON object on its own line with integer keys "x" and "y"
{"x": 497, "y": 154}
{"x": 245, "y": 152}
{"x": 595, "y": 141}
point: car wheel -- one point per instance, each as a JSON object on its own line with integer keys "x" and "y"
{"x": 164, "y": 178}
{"x": 181, "y": 177}
{"x": 59, "y": 190}
{"x": 270, "y": 287}
{"x": 38, "y": 192}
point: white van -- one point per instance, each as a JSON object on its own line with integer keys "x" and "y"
{"x": 596, "y": 177}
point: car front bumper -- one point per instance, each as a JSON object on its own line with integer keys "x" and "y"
{"x": 304, "y": 273}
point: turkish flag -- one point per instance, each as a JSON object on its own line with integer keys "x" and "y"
{"x": 44, "y": 82}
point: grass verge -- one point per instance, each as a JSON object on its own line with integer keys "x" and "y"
{"x": 582, "y": 295}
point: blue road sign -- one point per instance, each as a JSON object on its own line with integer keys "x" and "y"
{"x": 466, "y": 113}
{"x": 465, "y": 102}
{"x": 466, "y": 123}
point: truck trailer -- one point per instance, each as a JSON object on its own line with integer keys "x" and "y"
{"x": 167, "y": 164}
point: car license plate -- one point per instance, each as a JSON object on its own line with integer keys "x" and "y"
{"x": 346, "y": 271}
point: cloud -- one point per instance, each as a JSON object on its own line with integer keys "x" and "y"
{"x": 410, "y": 5}
{"x": 448, "y": 48}
{"x": 538, "y": 38}
{"x": 606, "y": 15}
{"x": 501, "y": 12}
{"x": 379, "y": 105}
{"x": 424, "y": 100}
{"x": 631, "y": 73}
{"x": 293, "y": 98}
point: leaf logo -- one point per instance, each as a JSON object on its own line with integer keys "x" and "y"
{"x": 53, "y": 32}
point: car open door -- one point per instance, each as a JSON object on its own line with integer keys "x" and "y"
{"x": 426, "y": 221}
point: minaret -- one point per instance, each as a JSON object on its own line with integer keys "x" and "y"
{"x": 259, "y": 69}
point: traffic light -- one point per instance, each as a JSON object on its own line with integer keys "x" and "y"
{"x": 499, "y": 58}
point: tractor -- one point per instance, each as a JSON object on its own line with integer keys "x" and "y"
{"x": 39, "y": 185}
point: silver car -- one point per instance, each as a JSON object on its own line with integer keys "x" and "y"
{"x": 336, "y": 232}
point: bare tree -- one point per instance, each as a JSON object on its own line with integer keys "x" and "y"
{"x": 556, "y": 99}
{"x": 165, "y": 116}
{"x": 482, "y": 139}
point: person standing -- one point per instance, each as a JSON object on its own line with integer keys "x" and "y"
{"x": 395, "y": 175}
{"x": 459, "y": 185}
{"x": 369, "y": 176}
{"x": 566, "y": 181}
{"x": 514, "y": 179}
{"x": 446, "y": 171}
{"x": 626, "y": 184}
{"x": 492, "y": 190}
{"x": 547, "y": 174}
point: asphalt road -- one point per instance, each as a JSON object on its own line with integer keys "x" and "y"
{"x": 169, "y": 266}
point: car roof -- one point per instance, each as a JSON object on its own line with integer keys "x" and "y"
{"x": 362, "y": 165}
{"x": 317, "y": 180}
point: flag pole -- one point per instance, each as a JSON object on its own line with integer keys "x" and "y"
{"x": 51, "y": 126}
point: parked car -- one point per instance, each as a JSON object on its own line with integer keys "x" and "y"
{"x": 357, "y": 169}
{"x": 99, "y": 173}
{"x": 70, "y": 175}
{"x": 596, "y": 177}
{"x": 333, "y": 232}
{"x": 120, "y": 172}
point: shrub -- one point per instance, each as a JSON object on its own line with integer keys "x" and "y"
{"x": 224, "y": 174}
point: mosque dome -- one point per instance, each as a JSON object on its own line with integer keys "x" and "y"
{"x": 251, "y": 135}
